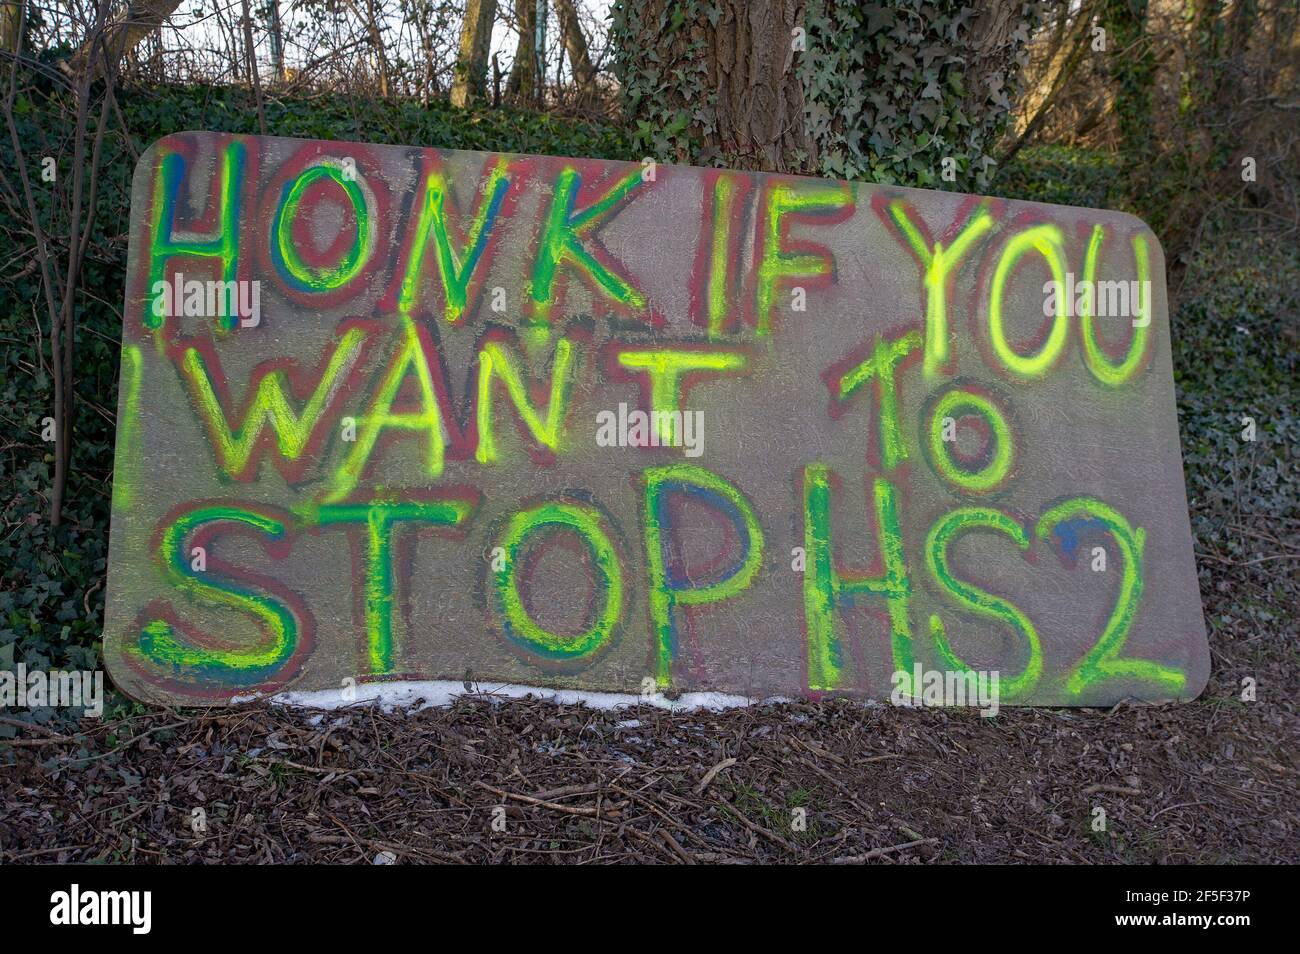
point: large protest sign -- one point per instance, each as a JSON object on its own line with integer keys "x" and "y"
{"x": 397, "y": 413}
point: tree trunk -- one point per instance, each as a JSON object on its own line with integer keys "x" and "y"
{"x": 575, "y": 45}
{"x": 1131, "y": 64}
{"x": 10, "y": 25}
{"x": 744, "y": 102}
{"x": 760, "y": 97}
{"x": 377, "y": 42}
{"x": 1070, "y": 45}
{"x": 251, "y": 60}
{"x": 471, "y": 63}
{"x": 523, "y": 85}
{"x": 428, "y": 79}
{"x": 275, "y": 34}
{"x": 135, "y": 22}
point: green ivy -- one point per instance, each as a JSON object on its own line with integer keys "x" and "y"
{"x": 891, "y": 89}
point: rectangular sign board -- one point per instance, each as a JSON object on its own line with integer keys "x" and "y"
{"x": 392, "y": 413}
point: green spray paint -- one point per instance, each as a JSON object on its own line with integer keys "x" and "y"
{"x": 271, "y": 405}
{"x": 1102, "y": 661}
{"x": 561, "y": 243}
{"x": 1115, "y": 373}
{"x": 409, "y": 356}
{"x": 160, "y": 644}
{"x": 224, "y": 246}
{"x": 665, "y": 368}
{"x": 667, "y": 593}
{"x": 977, "y": 601}
{"x": 1047, "y": 241}
{"x": 825, "y": 588}
{"x": 128, "y": 428}
{"x": 456, "y": 270}
{"x": 939, "y": 268}
{"x": 882, "y": 367}
{"x": 379, "y": 519}
{"x": 587, "y": 524}
{"x": 285, "y": 255}
{"x": 776, "y": 264}
{"x": 954, "y": 404}
{"x": 495, "y": 359}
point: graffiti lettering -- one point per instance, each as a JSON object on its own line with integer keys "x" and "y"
{"x": 393, "y": 472}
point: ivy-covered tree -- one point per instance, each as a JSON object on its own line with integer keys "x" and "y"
{"x": 885, "y": 91}
{"x": 524, "y": 85}
{"x": 714, "y": 81}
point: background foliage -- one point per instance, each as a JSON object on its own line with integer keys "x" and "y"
{"x": 900, "y": 85}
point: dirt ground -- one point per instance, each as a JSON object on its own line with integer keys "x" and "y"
{"x": 508, "y": 781}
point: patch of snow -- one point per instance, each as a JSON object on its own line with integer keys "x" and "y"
{"x": 440, "y": 692}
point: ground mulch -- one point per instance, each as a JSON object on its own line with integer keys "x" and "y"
{"x": 490, "y": 780}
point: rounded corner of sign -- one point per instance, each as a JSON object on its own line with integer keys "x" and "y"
{"x": 120, "y": 675}
{"x": 149, "y": 157}
{"x": 1137, "y": 225}
{"x": 126, "y": 678}
{"x": 1197, "y": 681}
